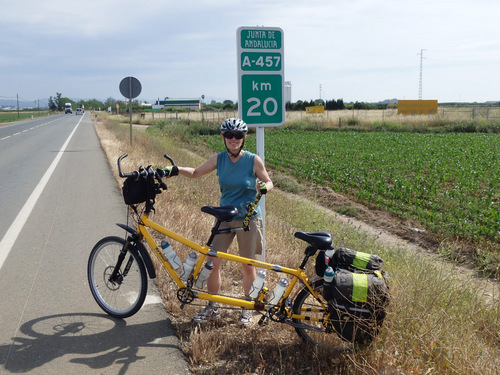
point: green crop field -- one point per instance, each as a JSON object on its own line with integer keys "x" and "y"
{"x": 14, "y": 116}
{"x": 449, "y": 182}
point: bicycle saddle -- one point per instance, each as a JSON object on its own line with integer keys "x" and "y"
{"x": 225, "y": 213}
{"x": 319, "y": 240}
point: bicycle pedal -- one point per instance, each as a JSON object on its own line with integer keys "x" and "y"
{"x": 264, "y": 320}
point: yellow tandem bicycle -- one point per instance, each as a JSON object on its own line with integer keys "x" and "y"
{"x": 118, "y": 268}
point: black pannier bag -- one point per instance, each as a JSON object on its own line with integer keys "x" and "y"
{"x": 137, "y": 191}
{"x": 357, "y": 302}
{"x": 357, "y": 259}
{"x": 346, "y": 258}
{"x": 358, "y": 294}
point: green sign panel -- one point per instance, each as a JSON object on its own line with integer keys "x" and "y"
{"x": 263, "y": 98}
{"x": 261, "y": 61}
{"x": 261, "y": 38}
{"x": 261, "y": 76}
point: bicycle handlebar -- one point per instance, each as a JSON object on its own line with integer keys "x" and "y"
{"x": 142, "y": 171}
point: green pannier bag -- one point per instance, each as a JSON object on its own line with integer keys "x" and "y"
{"x": 368, "y": 290}
{"x": 344, "y": 257}
{"x": 357, "y": 296}
{"x": 357, "y": 302}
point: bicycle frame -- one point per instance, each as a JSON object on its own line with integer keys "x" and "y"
{"x": 297, "y": 274}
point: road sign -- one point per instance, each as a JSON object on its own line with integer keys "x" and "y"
{"x": 261, "y": 76}
{"x": 130, "y": 87}
{"x": 262, "y": 102}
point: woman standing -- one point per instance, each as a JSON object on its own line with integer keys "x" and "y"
{"x": 242, "y": 175}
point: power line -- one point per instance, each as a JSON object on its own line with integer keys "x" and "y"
{"x": 15, "y": 98}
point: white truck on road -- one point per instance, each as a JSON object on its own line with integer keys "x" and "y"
{"x": 67, "y": 108}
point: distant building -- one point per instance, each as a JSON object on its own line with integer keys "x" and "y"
{"x": 288, "y": 92}
{"x": 192, "y": 104}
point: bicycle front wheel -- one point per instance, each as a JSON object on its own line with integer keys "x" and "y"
{"x": 315, "y": 327}
{"x": 123, "y": 294}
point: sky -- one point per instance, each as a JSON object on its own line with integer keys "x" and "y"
{"x": 355, "y": 50}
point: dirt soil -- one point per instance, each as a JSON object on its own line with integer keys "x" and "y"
{"x": 375, "y": 219}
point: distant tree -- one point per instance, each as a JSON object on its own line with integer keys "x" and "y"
{"x": 333, "y": 105}
{"x": 297, "y": 106}
{"x": 91, "y": 104}
{"x": 110, "y": 102}
{"x": 230, "y": 106}
{"x": 363, "y": 105}
{"x": 57, "y": 103}
{"x": 52, "y": 104}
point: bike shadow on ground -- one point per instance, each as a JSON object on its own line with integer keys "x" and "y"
{"x": 94, "y": 340}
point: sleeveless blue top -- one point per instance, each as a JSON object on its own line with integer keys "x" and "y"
{"x": 237, "y": 182}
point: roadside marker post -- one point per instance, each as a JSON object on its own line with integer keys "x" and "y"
{"x": 131, "y": 88}
{"x": 261, "y": 87}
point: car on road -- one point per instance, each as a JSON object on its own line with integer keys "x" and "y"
{"x": 79, "y": 111}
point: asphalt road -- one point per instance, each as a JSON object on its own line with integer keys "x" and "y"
{"x": 57, "y": 199}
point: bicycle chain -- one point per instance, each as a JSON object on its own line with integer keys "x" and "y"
{"x": 186, "y": 296}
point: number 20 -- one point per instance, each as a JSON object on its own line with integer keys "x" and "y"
{"x": 252, "y": 111}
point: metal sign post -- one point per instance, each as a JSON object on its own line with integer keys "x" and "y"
{"x": 261, "y": 87}
{"x": 130, "y": 88}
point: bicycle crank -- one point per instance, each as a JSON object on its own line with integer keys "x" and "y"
{"x": 185, "y": 296}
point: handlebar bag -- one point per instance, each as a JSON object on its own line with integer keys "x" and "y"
{"x": 137, "y": 191}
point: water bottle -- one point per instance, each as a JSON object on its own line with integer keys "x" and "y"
{"x": 172, "y": 257}
{"x": 278, "y": 291}
{"x": 204, "y": 274}
{"x": 329, "y": 255}
{"x": 187, "y": 268}
{"x": 328, "y": 276}
{"x": 258, "y": 284}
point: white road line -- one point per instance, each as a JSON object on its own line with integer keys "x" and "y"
{"x": 26, "y": 130}
{"x": 17, "y": 225}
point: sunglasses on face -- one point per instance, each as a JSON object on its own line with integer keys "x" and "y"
{"x": 229, "y": 135}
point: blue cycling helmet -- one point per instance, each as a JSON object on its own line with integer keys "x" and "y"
{"x": 234, "y": 125}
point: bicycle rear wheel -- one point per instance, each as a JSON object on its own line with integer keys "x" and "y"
{"x": 124, "y": 295}
{"x": 315, "y": 329}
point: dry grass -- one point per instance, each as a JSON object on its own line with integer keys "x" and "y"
{"x": 336, "y": 118}
{"x": 437, "y": 323}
